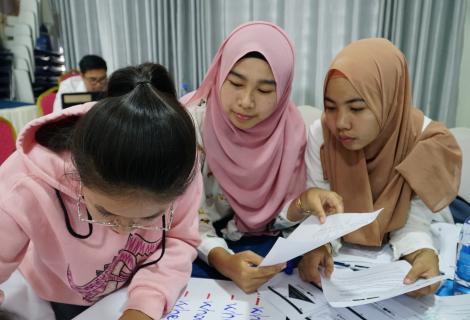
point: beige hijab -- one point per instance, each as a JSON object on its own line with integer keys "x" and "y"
{"x": 402, "y": 160}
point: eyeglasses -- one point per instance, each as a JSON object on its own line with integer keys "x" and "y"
{"x": 94, "y": 80}
{"x": 112, "y": 223}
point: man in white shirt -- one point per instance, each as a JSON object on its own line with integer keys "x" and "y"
{"x": 92, "y": 78}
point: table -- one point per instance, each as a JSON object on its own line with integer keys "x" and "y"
{"x": 19, "y": 115}
{"x": 402, "y": 307}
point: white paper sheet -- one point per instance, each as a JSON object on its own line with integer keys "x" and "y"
{"x": 206, "y": 299}
{"x": 439, "y": 308}
{"x": 21, "y": 299}
{"x": 392, "y": 309}
{"x": 299, "y": 300}
{"x": 352, "y": 288}
{"x": 310, "y": 234}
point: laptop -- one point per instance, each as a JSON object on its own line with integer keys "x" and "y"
{"x": 72, "y": 99}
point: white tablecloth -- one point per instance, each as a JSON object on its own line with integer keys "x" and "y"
{"x": 20, "y": 116}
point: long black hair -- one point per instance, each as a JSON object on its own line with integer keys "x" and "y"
{"x": 138, "y": 138}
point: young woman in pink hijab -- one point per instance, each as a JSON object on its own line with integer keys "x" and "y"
{"x": 252, "y": 141}
{"x": 378, "y": 151}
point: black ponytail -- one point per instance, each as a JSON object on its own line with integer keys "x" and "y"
{"x": 138, "y": 138}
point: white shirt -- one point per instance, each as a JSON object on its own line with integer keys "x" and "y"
{"x": 215, "y": 207}
{"x": 69, "y": 85}
{"x": 416, "y": 234}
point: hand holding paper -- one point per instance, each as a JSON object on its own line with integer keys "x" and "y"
{"x": 311, "y": 234}
{"x": 348, "y": 288}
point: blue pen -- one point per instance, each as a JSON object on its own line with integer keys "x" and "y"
{"x": 289, "y": 269}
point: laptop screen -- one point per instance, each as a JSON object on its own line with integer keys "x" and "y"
{"x": 72, "y": 99}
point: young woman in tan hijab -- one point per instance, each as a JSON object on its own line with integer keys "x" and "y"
{"x": 378, "y": 151}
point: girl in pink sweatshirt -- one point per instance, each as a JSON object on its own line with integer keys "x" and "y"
{"x": 105, "y": 195}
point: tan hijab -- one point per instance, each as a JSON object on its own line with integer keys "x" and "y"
{"x": 402, "y": 160}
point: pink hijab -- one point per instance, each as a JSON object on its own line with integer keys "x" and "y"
{"x": 262, "y": 168}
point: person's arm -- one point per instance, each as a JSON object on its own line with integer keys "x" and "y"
{"x": 209, "y": 238}
{"x": 240, "y": 267}
{"x": 416, "y": 233}
{"x": 154, "y": 289}
{"x": 311, "y": 262}
{"x": 13, "y": 245}
{"x": 208, "y": 212}
{"x": 317, "y": 198}
{"x": 414, "y": 244}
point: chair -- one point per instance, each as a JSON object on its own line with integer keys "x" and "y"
{"x": 23, "y": 88}
{"x": 309, "y": 114}
{"x": 26, "y": 17}
{"x": 46, "y": 100}
{"x": 68, "y": 74}
{"x": 18, "y": 29}
{"x": 7, "y": 139}
{"x": 460, "y": 207}
{"x": 22, "y": 52}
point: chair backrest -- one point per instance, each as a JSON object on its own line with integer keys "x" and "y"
{"x": 463, "y": 138}
{"x": 68, "y": 74}
{"x": 309, "y": 114}
{"x": 7, "y": 139}
{"x": 22, "y": 86}
{"x": 18, "y": 29}
{"x": 22, "y": 52}
{"x": 46, "y": 100}
{"x": 26, "y": 17}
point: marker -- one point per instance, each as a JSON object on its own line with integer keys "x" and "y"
{"x": 289, "y": 269}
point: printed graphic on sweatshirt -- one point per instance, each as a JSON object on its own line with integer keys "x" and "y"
{"x": 115, "y": 274}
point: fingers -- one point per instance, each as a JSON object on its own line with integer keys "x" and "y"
{"x": 249, "y": 277}
{"x": 414, "y": 274}
{"x": 253, "y": 260}
{"x": 317, "y": 208}
{"x": 269, "y": 272}
{"x": 323, "y": 202}
{"x": 328, "y": 265}
{"x": 425, "y": 264}
{"x": 250, "y": 257}
{"x": 334, "y": 203}
{"x": 311, "y": 262}
{"x": 424, "y": 291}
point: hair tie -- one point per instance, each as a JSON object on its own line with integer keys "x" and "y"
{"x": 142, "y": 82}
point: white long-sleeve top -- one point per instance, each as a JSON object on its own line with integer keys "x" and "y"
{"x": 416, "y": 234}
{"x": 214, "y": 206}
{"x": 69, "y": 85}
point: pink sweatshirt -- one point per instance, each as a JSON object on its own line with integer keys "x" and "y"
{"x": 62, "y": 268}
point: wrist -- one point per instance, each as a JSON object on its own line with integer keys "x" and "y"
{"x": 411, "y": 257}
{"x": 296, "y": 213}
{"x": 217, "y": 257}
{"x": 300, "y": 205}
